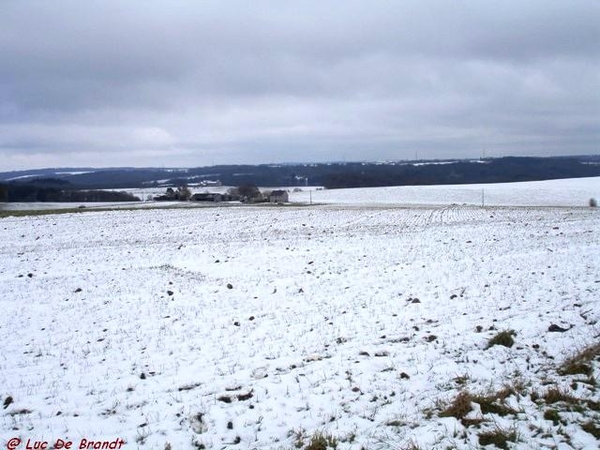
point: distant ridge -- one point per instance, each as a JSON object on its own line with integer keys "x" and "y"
{"x": 330, "y": 175}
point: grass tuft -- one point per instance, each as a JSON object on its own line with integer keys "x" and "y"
{"x": 579, "y": 363}
{"x": 591, "y": 428}
{"x": 504, "y": 338}
{"x": 321, "y": 441}
{"x": 498, "y": 437}
{"x": 552, "y": 415}
{"x": 494, "y": 404}
{"x": 556, "y": 395}
{"x": 318, "y": 441}
{"x": 460, "y": 406}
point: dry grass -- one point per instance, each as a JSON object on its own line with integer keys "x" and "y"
{"x": 591, "y": 428}
{"x": 460, "y": 406}
{"x": 498, "y": 437}
{"x": 504, "y": 338}
{"x": 554, "y": 399}
{"x": 318, "y": 441}
{"x": 493, "y": 403}
{"x": 579, "y": 363}
{"x": 556, "y": 395}
{"x": 552, "y": 415}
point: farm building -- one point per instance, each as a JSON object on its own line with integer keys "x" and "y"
{"x": 279, "y": 197}
{"x": 207, "y": 197}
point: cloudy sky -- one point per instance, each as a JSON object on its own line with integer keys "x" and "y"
{"x": 192, "y": 83}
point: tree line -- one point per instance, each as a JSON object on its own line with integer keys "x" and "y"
{"x": 33, "y": 193}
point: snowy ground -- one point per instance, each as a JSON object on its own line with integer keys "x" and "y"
{"x": 567, "y": 192}
{"x": 255, "y": 327}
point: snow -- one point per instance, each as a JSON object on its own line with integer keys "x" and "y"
{"x": 80, "y": 172}
{"x": 20, "y": 177}
{"x": 36, "y": 175}
{"x": 567, "y": 192}
{"x": 246, "y": 327}
{"x": 37, "y": 206}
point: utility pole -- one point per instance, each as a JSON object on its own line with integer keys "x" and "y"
{"x": 482, "y": 198}
{"x": 310, "y": 196}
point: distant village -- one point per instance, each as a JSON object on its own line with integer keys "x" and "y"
{"x": 246, "y": 194}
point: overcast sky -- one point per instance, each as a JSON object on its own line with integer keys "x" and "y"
{"x": 193, "y": 83}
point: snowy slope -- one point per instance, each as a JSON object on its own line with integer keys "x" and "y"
{"x": 248, "y": 327}
{"x": 568, "y": 192}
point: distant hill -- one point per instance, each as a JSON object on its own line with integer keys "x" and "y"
{"x": 501, "y": 170}
{"x": 330, "y": 175}
{"x": 36, "y": 193}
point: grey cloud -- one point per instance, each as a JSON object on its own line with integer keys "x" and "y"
{"x": 198, "y": 81}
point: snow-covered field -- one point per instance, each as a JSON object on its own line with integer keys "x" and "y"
{"x": 567, "y": 192}
{"x": 37, "y": 206}
{"x": 256, "y": 327}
